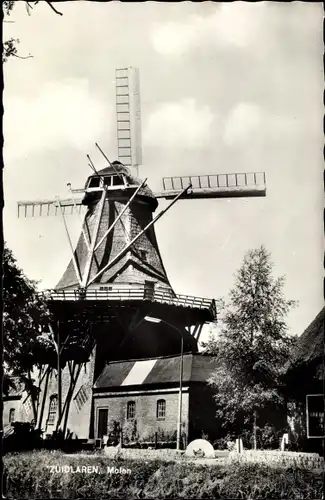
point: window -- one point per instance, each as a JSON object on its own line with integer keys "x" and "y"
{"x": 28, "y": 405}
{"x": 149, "y": 290}
{"x": 81, "y": 397}
{"x": 143, "y": 254}
{"x": 94, "y": 182}
{"x": 131, "y": 409}
{"x": 52, "y": 409}
{"x": 161, "y": 409}
{"x": 108, "y": 181}
{"x": 117, "y": 180}
{"x": 11, "y": 415}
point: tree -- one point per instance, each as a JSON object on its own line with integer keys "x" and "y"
{"x": 25, "y": 314}
{"x": 253, "y": 344}
{"x": 31, "y": 352}
{"x": 9, "y": 48}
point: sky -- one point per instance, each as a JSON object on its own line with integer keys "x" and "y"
{"x": 225, "y": 87}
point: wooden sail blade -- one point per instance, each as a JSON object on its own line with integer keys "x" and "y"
{"x": 234, "y": 185}
{"x": 128, "y": 116}
{"x": 45, "y": 208}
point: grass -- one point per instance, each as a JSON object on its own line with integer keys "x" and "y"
{"x": 29, "y": 477}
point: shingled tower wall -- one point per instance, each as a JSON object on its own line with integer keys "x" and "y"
{"x": 142, "y": 262}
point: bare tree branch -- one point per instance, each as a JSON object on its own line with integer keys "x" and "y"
{"x": 28, "y": 6}
{"x": 22, "y": 57}
{"x": 53, "y": 8}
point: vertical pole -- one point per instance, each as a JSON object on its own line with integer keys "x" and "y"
{"x": 307, "y": 418}
{"x": 179, "y": 423}
{"x": 89, "y": 260}
{"x": 254, "y": 432}
{"x": 59, "y": 372}
{"x": 75, "y": 264}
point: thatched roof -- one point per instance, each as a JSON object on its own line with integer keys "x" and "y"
{"x": 310, "y": 345}
{"x": 304, "y": 373}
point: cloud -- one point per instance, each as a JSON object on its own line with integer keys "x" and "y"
{"x": 182, "y": 125}
{"x": 248, "y": 123}
{"x": 63, "y": 114}
{"x": 242, "y": 122}
{"x": 237, "y": 23}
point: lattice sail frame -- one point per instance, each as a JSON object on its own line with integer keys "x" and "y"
{"x": 128, "y": 116}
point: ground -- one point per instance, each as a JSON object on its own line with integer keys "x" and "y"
{"x": 53, "y": 474}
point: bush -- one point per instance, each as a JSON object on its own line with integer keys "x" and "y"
{"x": 269, "y": 437}
{"x": 29, "y": 477}
{"x": 23, "y": 437}
{"x": 113, "y": 431}
{"x": 223, "y": 442}
{"x": 130, "y": 431}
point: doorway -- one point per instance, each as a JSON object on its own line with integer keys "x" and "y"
{"x": 102, "y": 422}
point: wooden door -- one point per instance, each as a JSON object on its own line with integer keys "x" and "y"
{"x": 102, "y": 422}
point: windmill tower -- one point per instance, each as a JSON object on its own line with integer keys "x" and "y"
{"x": 116, "y": 280}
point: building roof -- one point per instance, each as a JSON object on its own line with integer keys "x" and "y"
{"x": 14, "y": 391}
{"x": 155, "y": 371}
{"x": 304, "y": 372}
{"x": 310, "y": 345}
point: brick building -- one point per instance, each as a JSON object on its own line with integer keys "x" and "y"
{"x": 147, "y": 391}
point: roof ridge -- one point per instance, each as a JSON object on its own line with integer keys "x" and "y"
{"x": 151, "y": 358}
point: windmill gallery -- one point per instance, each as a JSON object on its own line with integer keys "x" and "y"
{"x": 127, "y": 344}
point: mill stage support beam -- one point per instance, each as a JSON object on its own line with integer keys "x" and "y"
{"x": 119, "y": 255}
{"x": 93, "y": 241}
{"x": 74, "y": 260}
{"x": 81, "y": 222}
{"x": 120, "y": 214}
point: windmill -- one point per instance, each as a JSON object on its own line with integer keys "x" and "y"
{"x": 116, "y": 278}
{"x": 117, "y": 257}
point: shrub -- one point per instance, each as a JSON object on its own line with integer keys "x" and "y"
{"x": 130, "y": 431}
{"x": 223, "y": 443}
{"x": 29, "y": 477}
{"x": 268, "y": 437}
{"x": 24, "y": 437}
{"x": 113, "y": 432}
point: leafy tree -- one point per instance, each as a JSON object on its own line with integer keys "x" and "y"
{"x": 30, "y": 349}
{"x": 253, "y": 344}
{"x": 9, "y": 48}
{"x": 25, "y": 312}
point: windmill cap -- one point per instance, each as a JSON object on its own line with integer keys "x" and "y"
{"x": 118, "y": 167}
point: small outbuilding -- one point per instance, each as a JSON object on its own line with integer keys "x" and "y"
{"x": 145, "y": 393}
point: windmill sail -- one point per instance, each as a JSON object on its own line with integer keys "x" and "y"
{"x": 128, "y": 116}
{"x": 246, "y": 184}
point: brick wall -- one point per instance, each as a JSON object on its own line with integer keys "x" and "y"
{"x": 79, "y": 419}
{"x": 146, "y": 405}
{"x": 15, "y": 404}
{"x": 142, "y": 454}
{"x": 286, "y": 458}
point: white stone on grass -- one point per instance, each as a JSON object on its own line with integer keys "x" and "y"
{"x": 200, "y": 448}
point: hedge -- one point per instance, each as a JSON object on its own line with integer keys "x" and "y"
{"x": 28, "y": 476}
